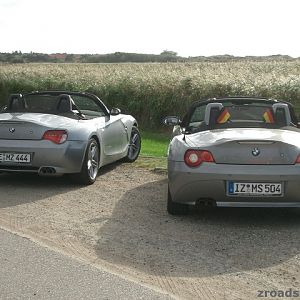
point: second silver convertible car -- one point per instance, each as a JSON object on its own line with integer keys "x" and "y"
{"x": 234, "y": 152}
{"x": 55, "y": 132}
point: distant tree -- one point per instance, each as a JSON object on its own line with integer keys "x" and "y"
{"x": 70, "y": 58}
{"x": 169, "y": 53}
{"x": 17, "y": 59}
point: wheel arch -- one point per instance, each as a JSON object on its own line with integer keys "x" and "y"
{"x": 130, "y": 126}
{"x": 95, "y": 137}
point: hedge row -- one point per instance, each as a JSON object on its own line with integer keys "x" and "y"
{"x": 152, "y": 91}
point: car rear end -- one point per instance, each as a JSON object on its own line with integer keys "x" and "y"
{"x": 237, "y": 167}
{"x": 35, "y": 146}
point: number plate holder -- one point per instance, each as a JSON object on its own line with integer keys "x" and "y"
{"x": 254, "y": 188}
{"x": 15, "y": 157}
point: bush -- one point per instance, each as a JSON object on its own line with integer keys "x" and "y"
{"x": 151, "y": 91}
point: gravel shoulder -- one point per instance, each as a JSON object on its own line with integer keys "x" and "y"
{"x": 120, "y": 224}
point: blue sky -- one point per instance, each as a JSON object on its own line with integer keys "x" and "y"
{"x": 190, "y": 27}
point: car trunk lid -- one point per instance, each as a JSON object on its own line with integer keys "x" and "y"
{"x": 30, "y": 126}
{"x": 249, "y": 146}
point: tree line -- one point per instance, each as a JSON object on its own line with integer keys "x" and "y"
{"x": 122, "y": 57}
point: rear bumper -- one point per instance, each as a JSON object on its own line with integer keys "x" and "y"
{"x": 209, "y": 182}
{"x": 258, "y": 204}
{"x": 64, "y": 158}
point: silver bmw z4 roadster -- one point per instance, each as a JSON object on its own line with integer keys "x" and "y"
{"x": 236, "y": 152}
{"x": 59, "y": 132}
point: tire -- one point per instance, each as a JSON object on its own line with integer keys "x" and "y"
{"x": 90, "y": 165}
{"x": 134, "y": 147}
{"x": 175, "y": 208}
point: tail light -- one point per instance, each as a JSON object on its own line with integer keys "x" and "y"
{"x": 56, "y": 136}
{"x": 194, "y": 158}
{"x": 298, "y": 160}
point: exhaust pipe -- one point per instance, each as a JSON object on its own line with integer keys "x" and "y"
{"x": 47, "y": 171}
{"x": 201, "y": 203}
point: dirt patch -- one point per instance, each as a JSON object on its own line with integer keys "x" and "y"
{"x": 120, "y": 223}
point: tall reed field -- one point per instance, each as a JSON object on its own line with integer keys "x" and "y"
{"x": 150, "y": 91}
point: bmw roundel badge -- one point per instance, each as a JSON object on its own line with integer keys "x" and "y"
{"x": 255, "y": 151}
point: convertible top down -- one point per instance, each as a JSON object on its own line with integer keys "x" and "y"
{"x": 59, "y": 132}
{"x": 235, "y": 151}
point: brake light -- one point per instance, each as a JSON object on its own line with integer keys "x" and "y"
{"x": 194, "y": 158}
{"x": 56, "y": 136}
{"x": 298, "y": 160}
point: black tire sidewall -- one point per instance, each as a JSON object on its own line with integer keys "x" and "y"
{"x": 84, "y": 176}
{"x": 134, "y": 130}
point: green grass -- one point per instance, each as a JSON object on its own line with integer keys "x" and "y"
{"x": 154, "y": 150}
{"x": 154, "y": 144}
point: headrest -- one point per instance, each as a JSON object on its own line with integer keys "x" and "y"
{"x": 16, "y": 102}
{"x": 212, "y": 112}
{"x": 64, "y": 103}
{"x": 282, "y": 114}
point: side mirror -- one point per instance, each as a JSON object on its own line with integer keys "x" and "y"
{"x": 115, "y": 111}
{"x": 171, "y": 121}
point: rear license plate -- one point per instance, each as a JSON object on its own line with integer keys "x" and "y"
{"x": 15, "y": 157}
{"x": 254, "y": 188}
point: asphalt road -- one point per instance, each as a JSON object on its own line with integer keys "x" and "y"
{"x": 30, "y": 271}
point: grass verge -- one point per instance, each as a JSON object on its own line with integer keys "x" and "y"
{"x": 154, "y": 150}
{"x": 154, "y": 144}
